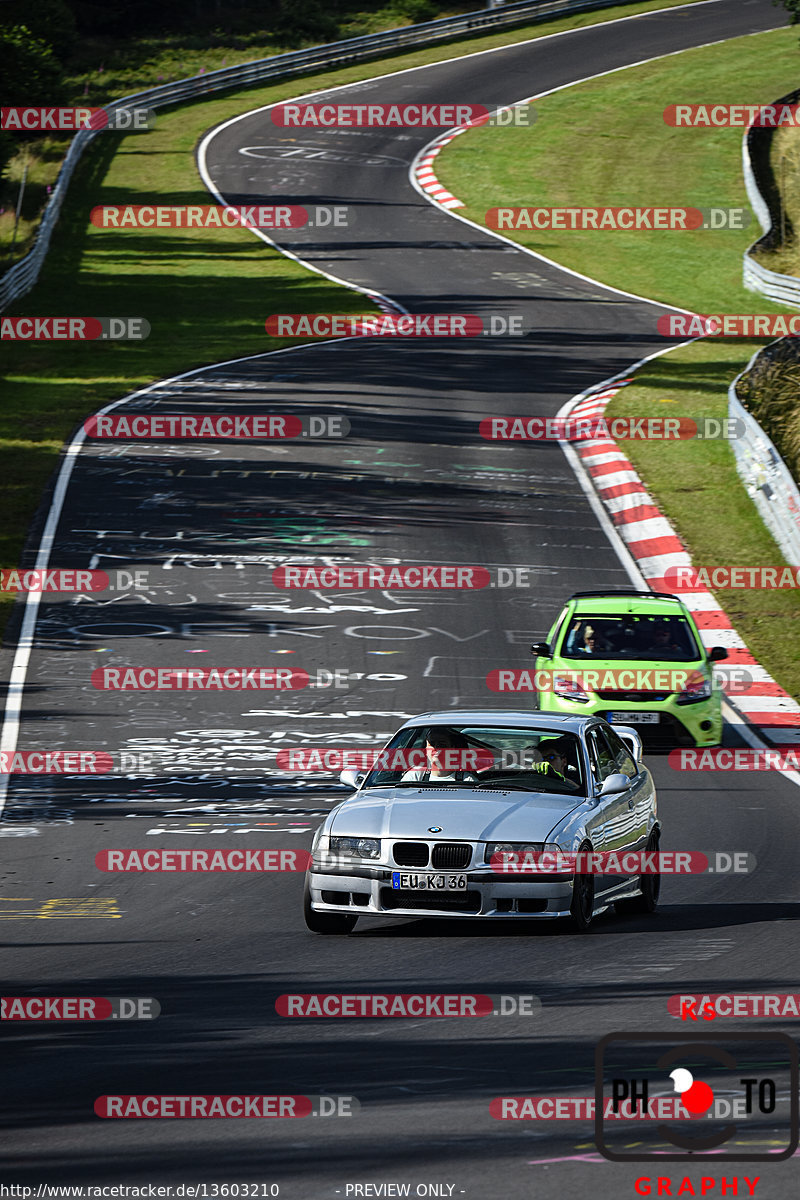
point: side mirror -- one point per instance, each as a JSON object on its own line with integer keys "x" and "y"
{"x": 614, "y": 784}
{"x": 717, "y": 653}
{"x": 351, "y": 777}
{"x": 541, "y": 649}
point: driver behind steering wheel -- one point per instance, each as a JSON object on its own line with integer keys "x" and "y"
{"x": 440, "y": 738}
{"x": 556, "y": 755}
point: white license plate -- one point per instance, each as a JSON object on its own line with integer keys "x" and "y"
{"x": 417, "y": 882}
{"x": 634, "y": 718}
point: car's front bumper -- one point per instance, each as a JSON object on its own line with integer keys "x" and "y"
{"x": 697, "y": 724}
{"x": 370, "y": 893}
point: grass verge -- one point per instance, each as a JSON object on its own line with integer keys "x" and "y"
{"x": 605, "y": 143}
{"x": 101, "y": 70}
{"x": 785, "y": 160}
{"x": 695, "y": 483}
{"x": 581, "y": 152}
{"x": 206, "y": 296}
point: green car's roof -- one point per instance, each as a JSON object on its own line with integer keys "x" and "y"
{"x": 609, "y": 604}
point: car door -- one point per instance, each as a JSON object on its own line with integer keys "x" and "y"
{"x": 618, "y": 831}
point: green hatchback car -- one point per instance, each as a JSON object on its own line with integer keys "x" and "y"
{"x": 634, "y": 658}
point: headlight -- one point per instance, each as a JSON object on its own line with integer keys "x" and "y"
{"x": 518, "y": 856}
{"x": 697, "y": 688}
{"x": 569, "y": 689}
{"x": 510, "y": 850}
{"x": 352, "y": 847}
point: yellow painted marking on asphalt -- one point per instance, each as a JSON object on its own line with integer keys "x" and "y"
{"x": 80, "y": 906}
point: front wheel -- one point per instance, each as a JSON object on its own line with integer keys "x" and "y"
{"x": 325, "y": 922}
{"x": 582, "y": 906}
{"x": 650, "y": 886}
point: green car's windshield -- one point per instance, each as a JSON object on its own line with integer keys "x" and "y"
{"x": 489, "y": 757}
{"x": 628, "y": 636}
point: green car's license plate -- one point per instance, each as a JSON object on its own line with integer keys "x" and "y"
{"x": 634, "y": 718}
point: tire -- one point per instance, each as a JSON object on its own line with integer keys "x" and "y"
{"x": 325, "y": 922}
{"x": 582, "y": 905}
{"x": 650, "y": 885}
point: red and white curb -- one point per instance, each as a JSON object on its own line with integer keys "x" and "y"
{"x": 425, "y": 175}
{"x": 653, "y": 543}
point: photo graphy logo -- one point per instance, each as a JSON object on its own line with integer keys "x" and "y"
{"x": 740, "y": 1091}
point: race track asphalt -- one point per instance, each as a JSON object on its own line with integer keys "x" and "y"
{"x": 210, "y": 522}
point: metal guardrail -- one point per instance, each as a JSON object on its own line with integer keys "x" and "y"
{"x": 763, "y": 472}
{"x": 766, "y": 477}
{"x": 783, "y": 289}
{"x": 20, "y": 278}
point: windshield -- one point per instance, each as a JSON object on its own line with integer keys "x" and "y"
{"x": 646, "y": 638}
{"x": 491, "y": 757}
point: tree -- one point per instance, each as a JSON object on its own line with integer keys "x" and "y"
{"x": 793, "y": 8}
{"x": 32, "y": 77}
{"x": 50, "y": 21}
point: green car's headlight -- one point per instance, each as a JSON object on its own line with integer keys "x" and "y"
{"x": 569, "y": 689}
{"x": 697, "y": 688}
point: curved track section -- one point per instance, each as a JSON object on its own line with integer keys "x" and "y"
{"x": 210, "y": 522}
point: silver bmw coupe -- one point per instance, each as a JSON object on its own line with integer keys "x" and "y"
{"x": 502, "y": 814}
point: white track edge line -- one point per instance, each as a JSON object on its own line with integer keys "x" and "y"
{"x": 9, "y": 733}
{"x": 735, "y": 718}
{"x": 450, "y": 133}
{"x": 17, "y": 678}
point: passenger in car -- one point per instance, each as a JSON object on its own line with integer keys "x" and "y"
{"x": 583, "y": 638}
